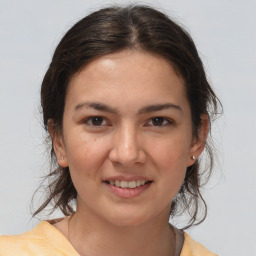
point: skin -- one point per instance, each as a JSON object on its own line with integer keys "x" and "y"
{"x": 127, "y": 141}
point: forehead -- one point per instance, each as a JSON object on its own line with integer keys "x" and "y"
{"x": 133, "y": 76}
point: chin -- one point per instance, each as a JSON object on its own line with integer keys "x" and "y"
{"x": 128, "y": 222}
{"x": 128, "y": 218}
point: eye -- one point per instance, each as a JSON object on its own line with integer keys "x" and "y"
{"x": 96, "y": 121}
{"x": 159, "y": 121}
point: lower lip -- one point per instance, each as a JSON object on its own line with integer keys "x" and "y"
{"x": 128, "y": 192}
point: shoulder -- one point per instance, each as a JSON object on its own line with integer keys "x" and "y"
{"x": 31, "y": 243}
{"x": 193, "y": 248}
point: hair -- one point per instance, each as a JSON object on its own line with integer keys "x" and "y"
{"x": 111, "y": 30}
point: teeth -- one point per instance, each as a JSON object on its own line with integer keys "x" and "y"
{"x": 132, "y": 184}
{"x": 124, "y": 184}
{"x": 127, "y": 184}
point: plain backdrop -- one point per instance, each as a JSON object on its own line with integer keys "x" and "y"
{"x": 224, "y": 32}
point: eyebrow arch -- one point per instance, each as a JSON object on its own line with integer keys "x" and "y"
{"x": 146, "y": 109}
{"x": 159, "y": 107}
{"x": 96, "y": 106}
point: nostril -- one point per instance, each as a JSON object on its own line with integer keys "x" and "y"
{"x": 127, "y": 158}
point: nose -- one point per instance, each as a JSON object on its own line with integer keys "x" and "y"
{"x": 127, "y": 149}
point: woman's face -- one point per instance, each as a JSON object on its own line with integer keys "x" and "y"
{"x": 127, "y": 137}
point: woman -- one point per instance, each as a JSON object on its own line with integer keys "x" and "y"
{"x": 127, "y": 105}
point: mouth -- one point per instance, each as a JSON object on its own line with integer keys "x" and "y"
{"x": 127, "y": 184}
{"x": 128, "y": 189}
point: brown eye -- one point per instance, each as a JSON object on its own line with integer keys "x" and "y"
{"x": 96, "y": 121}
{"x": 158, "y": 121}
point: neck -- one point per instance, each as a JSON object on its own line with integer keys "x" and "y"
{"x": 92, "y": 236}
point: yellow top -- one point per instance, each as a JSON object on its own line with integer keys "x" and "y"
{"x": 45, "y": 240}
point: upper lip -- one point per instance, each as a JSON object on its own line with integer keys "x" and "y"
{"x": 128, "y": 178}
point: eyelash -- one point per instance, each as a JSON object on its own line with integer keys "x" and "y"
{"x": 89, "y": 121}
{"x": 165, "y": 121}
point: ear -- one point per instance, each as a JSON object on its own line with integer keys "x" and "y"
{"x": 199, "y": 141}
{"x": 58, "y": 144}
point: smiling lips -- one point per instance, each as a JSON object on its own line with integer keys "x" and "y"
{"x": 127, "y": 184}
{"x": 128, "y": 189}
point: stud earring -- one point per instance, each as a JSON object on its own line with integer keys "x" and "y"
{"x": 193, "y": 157}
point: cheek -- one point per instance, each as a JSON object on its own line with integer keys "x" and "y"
{"x": 85, "y": 155}
{"x": 171, "y": 150}
{"x": 170, "y": 159}
{"x": 86, "y": 158}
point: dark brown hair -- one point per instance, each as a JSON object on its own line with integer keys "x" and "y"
{"x": 111, "y": 30}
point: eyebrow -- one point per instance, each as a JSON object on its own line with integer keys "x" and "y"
{"x": 144, "y": 110}
{"x": 97, "y": 106}
{"x": 159, "y": 107}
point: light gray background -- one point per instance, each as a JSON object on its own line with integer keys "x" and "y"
{"x": 224, "y": 32}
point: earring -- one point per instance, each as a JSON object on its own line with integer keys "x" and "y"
{"x": 61, "y": 158}
{"x": 193, "y": 157}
